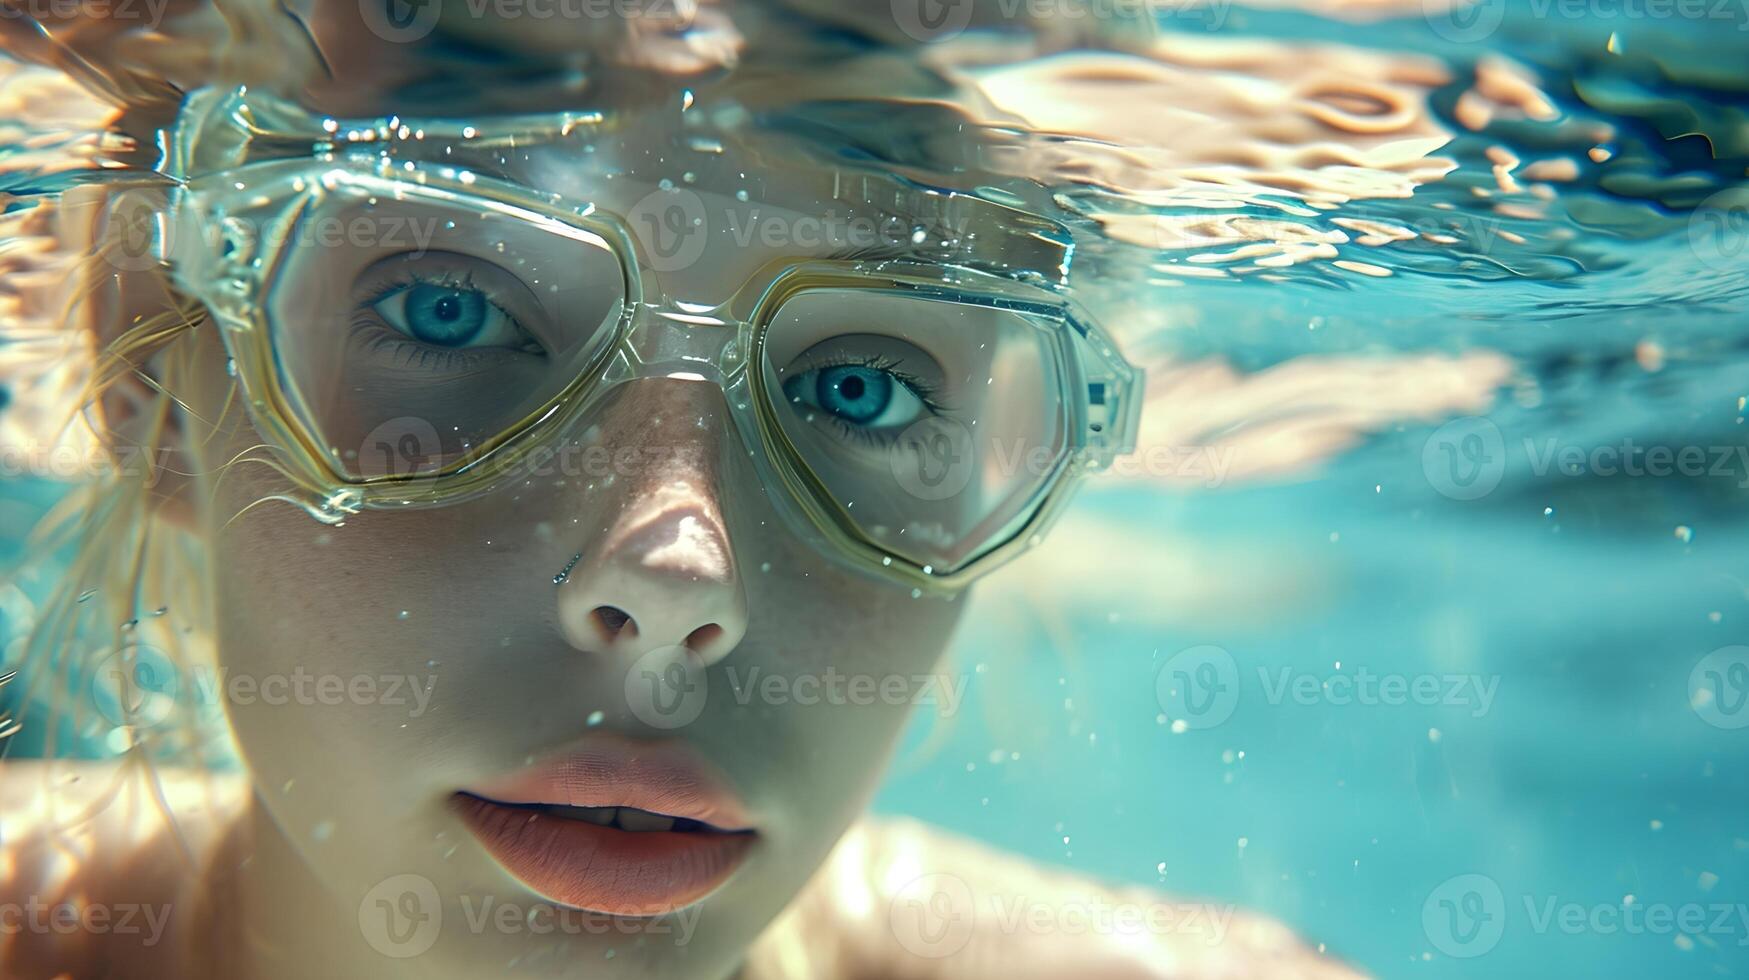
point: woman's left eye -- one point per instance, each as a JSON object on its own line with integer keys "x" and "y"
{"x": 449, "y": 316}
{"x": 862, "y": 396}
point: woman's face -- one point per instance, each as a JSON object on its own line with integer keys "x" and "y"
{"x": 642, "y": 631}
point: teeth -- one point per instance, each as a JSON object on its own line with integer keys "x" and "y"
{"x": 600, "y": 816}
{"x": 640, "y": 822}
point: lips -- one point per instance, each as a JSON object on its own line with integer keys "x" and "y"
{"x": 618, "y": 828}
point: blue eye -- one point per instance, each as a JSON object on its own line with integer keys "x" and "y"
{"x": 858, "y": 395}
{"x": 445, "y": 315}
{"x": 855, "y": 394}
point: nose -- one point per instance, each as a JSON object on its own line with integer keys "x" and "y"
{"x": 661, "y": 572}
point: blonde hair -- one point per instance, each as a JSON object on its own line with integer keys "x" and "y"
{"x": 103, "y": 662}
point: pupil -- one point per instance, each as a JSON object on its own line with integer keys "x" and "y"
{"x": 449, "y": 307}
{"x": 851, "y": 387}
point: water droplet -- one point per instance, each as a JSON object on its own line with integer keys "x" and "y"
{"x": 1684, "y": 533}
{"x": 323, "y": 830}
{"x": 403, "y": 614}
{"x": 595, "y": 718}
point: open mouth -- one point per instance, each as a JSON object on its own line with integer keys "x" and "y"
{"x": 627, "y": 818}
{"x": 624, "y": 830}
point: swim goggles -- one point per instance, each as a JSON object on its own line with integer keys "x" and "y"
{"x": 413, "y": 323}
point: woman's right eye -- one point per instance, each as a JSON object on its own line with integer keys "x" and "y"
{"x": 868, "y": 397}
{"x": 449, "y": 316}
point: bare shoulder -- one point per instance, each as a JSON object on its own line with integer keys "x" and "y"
{"x": 901, "y": 899}
{"x": 96, "y": 861}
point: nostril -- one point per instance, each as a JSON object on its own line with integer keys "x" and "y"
{"x": 613, "y": 622}
{"x": 703, "y": 637}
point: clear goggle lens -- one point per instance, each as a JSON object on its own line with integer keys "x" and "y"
{"x": 933, "y": 426}
{"x": 411, "y": 333}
